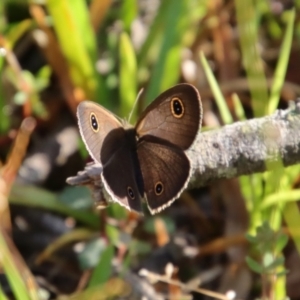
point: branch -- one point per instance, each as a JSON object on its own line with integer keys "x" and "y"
{"x": 245, "y": 147}
{"x": 231, "y": 151}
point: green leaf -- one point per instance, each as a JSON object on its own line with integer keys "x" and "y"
{"x": 77, "y": 197}
{"x": 268, "y": 259}
{"x": 251, "y": 238}
{"x": 113, "y": 234}
{"x": 93, "y": 249}
{"x": 254, "y": 266}
{"x": 281, "y": 242}
{"x": 42, "y": 79}
{"x": 37, "y": 197}
{"x": 20, "y": 98}
{"x": 103, "y": 270}
{"x": 278, "y": 262}
{"x": 282, "y": 273}
{"x": 117, "y": 211}
{"x": 137, "y": 247}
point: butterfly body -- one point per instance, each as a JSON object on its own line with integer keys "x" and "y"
{"x": 147, "y": 161}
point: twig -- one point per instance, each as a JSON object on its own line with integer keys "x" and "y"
{"x": 245, "y": 147}
{"x": 158, "y": 277}
{"x": 9, "y": 171}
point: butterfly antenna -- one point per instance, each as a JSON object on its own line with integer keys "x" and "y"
{"x": 135, "y": 102}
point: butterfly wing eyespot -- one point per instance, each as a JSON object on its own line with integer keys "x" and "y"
{"x": 159, "y": 188}
{"x": 130, "y": 193}
{"x": 94, "y": 122}
{"x": 177, "y": 107}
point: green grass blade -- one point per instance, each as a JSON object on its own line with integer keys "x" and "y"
{"x": 2, "y": 18}
{"x": 282, "y": 64}
{"x": 281, "y": 197}
{"x": 129, "y": 12}
{"x": 37, "y": 197}
{"x": 238, "y": 108}
{"x": 248, "y": 33}
{"x": 14, "y": 278}
{"x": 103, "y": 270}
{"x": 220, "y": 100}
{"x": 166, "y": 70}
{"x": 74, "y": 31}
{"x": 4, "y": 118}
{"x": 128, "y": 75}
{"x": 2, "y": 295}
{"x": 292, "y": 218}
{"x": 83, "y": 23}
{"x": 280, "y": 286}
{"x": 150, "y": 45}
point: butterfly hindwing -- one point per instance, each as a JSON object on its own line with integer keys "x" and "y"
{"x": 165, "y": 170}
{"x": 121, "y": 174}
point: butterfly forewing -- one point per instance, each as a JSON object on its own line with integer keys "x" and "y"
{"x": 95, "y": 122}
{"x": 175, "y": 116}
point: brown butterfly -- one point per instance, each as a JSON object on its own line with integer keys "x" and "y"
{"x": 147, "y": 161}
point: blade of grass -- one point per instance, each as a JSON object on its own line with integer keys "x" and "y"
{"x": 185, "y": 33}
{"x": 83, "y": 23}
{"x": 18, "y": 30}
{"x": 115, "y": 288}
{"x": 71, "y": 237}
{"x": 128, "y": 13}
{"x": 103, "y": 270}
{"x": 128, "y": 75}
{"x": 238, "y": 107}
{"x": 14, "y": 33}
{"x": 282, "y": 63}
{"x": 273, "y": 185}
{"x": 252, "y": 62}
{"x": 280, "y": 286}
{"x": 220, "y": 100}
{"x": 77, "y": 41}
{"x": 169, "y": 56}
{"x": 155, "y": 35}
{"x": 2, "y": 16}
{"x": 4, "y": 118}
{"x": 14, "y": 278}
{"x": 292, "y": 218}
{"x": 283, "y": 196}
{"x": 2, "y": 295}
{"x": 37, "y": 197}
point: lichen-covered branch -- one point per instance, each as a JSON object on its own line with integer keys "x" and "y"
{"x": 244, "y": 147}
